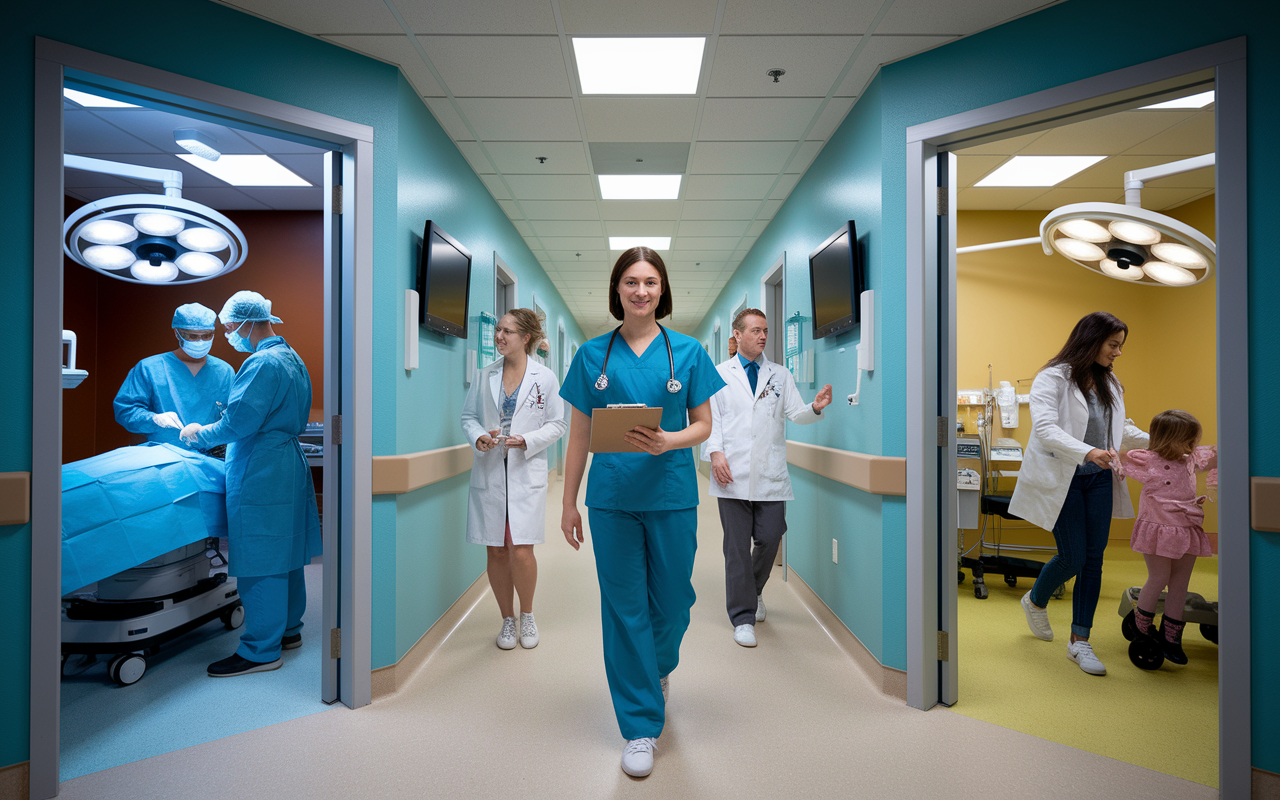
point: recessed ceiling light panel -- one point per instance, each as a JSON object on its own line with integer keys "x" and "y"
{"x": 246, "y": 170}
{"x": 1038, "y": 170}
{"x": 628, "y": 242}
{"x": 93, "y": 101}
{"x": 650, "y": 65}
{"x": 640, "y": 187}
{"x": 1191, "y": 101}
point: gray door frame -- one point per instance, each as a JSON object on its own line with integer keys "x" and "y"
{"x": 930, "y": 347}
{"x": 349, "y": 354}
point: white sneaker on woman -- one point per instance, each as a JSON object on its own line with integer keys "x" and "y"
{"x": 1037, "y": 619}
{"x": 507, "y": 638}
{"x": 1081, "y": 652}
{"x": 637, "y": 757}
{"x": 528, "y": 631}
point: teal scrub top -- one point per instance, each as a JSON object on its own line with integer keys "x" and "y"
{"x": 639, "y": 481}
{"x": 163, "y": 383}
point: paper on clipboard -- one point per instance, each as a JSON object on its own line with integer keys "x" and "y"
{"x": 608, "y": 425}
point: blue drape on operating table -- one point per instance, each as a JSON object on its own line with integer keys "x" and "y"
{"x": 125, "y": 507}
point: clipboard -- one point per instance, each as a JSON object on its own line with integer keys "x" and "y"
{"x": 609, "y": 424}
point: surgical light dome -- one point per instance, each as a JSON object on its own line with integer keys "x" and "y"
{"x": 1140, "y": 246}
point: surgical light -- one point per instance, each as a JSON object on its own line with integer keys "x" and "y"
{"x": 154, "y": 224}
{"x": 199, "y": 264}
{"x": 202, "y": 239}
{"x": 1130, "y": 273}
{"x": 109, "y": 231}
{"x": 1145, "y": 247}
{"x": 1077, "y": 250}
{"x": 109, "y": 256}
{"x": 1133, "y": 232}
{"x": 146, "y": 273}
{"x": 1169, "y": 274}
{"x": 1179, "y": 255}
{"x": 1086, "y": 231}
{"x": 197, "y": 143}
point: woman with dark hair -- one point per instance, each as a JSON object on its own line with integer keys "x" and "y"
{"x": 642, "y": 505}
{"x": 1066, "y": 483}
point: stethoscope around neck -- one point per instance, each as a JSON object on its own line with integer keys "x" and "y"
{"x": 673, "y": 385}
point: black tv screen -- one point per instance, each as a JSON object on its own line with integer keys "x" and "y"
{"x": 444, "y": 282}
{"x": 836, "y": 282}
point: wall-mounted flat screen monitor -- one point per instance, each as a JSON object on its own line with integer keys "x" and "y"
{"x": 444, "y": 282}
{"x": 836, "y": 282}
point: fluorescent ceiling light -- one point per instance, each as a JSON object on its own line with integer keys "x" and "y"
{"x": 93, "y": 101}
{"x": 628, "y": 242}
{"x": 245, "y": 170}
{"x": 652, "y": 65}
{"x": 640, "y": 187}
{"x": 1191, "y": 101}
{"x": 1038, "y": 170}
{"x": 197, "y": 143}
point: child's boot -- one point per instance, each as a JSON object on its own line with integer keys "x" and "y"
{"x": 1172, "y": 629}
{"x": 1143, "y": 619}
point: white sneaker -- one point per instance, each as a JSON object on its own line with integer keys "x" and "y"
{"x": 1037, "y": 619}
{"x": 507, "y": 638}
{"x": 637, "y": 757}
{"x": 759, "y": 608}
{"x": 665, "y": 682}
{"x": 1081, "y": 652}
{"x": 745, "y": 635}
{"x": 528, "y": 632}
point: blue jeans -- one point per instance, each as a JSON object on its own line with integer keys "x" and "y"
{"x": 1083, "y": 526}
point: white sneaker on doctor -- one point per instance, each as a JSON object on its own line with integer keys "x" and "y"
{"x": 1037, "y": 619}
{"x": 745, "y": 635}
{"x": 528, "y": 631}
{"x": 507, "y": 636}
{"x": 1081, "y": 652}
{"x": 637, "y": 757}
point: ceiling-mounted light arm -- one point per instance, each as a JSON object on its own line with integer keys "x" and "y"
{"x": 978, "y": 248}
{"x": 170, "y": 178}
{"x": 1136, "y": 179}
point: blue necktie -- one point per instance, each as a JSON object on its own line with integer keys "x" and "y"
{"x": 753, "y": 370}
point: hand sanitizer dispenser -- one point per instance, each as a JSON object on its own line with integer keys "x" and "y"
{"x": 1007, "y": 400}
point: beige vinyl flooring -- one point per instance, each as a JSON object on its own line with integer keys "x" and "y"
{"x": 792, "y": 718}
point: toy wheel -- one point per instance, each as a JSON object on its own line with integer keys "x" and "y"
{"x": 1209, "y": 632}
{"x": 980, "y": 591}
{"x": 1146, "y": 653}
{"x": 1012, "y": 580}
{"x": 127, "y": 669}
{"x": 234, "y": 618}
{"x": 1128, "y": 627}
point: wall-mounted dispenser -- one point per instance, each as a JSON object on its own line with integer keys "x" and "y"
{"x": 410, "y": 329}
{"x": 867, "y": 342}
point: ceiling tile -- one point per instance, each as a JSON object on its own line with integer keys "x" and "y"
{"x": 525, "y": 229}
{"x": 522, "y": 119}
{"x": 971, "y": 169}
{"x": 1159, "y": 199}
{"x": 1060, "y": 197}
{"x": 831, "y": 117}
{"x": 586, "y": 227}
{"x": 757, "y": 227}
{"x": 705, "y": 268}
{"x": 720, "y": 209}
{"x": 475, "y": 157}
{"x": 87, "y": 134}
{"x": 288, "y": 198}
{"x": 324, "y": 16}
{"x": 929, "y": 16}
{"x": 798, "y": 16}
{"x": 273, "y": 145}
{"x": 75, "y": 179}
{"x": 571, "y": 243}
{"x": 494, "y": 184}
{"x": 443, "y": 111}
{"x": 1173, "y": 142}
{"x": 770, "y": 208}
{"x": 499, "y": 66}
{"x": 478, "y": 16}
{"x": 739, "y": 157}
{"x": 397, "y": 50}
{"x": 639, "y": 209}
{"x": 728, "y": 187}
{"x": 589, "y": 263}
{"x": 560, "y": 209}
{"x": 808, "y": 151}
{"x": 512, "y": 210}
{"x": 785, "y": 184}
{"x": 635, "y": 227}
{"x": 1114, "y": 133}
{"x": 686, "y": 243}
{"x": 650, "y": 16}
{"x": 1109, "y": 174}
{"x": 879, "y": 50}
{"x": 996, "y": 198}
{"x": 812, "y": 64}
{"x": 308, "y": 167}
{"x": 641, "y": 119}
{"x": 766, "y": 119}
{"x": 563, "y": 158}
{"x": 224, "y": 199}
{"x": 712, "y": 227}
{"x": 552, "y": 187}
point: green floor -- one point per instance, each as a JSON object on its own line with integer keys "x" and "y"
{"x": 1166, "y": 720}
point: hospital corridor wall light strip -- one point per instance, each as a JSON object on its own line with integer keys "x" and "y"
{"x": 150, "y": 238}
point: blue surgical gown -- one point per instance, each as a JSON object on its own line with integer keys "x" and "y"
{"x": 639, "y": 481}
{"x": 272, "y": 522}
{"x": 164, "y": 383}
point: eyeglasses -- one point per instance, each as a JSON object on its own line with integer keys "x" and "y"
{"x": 195, "y": 336}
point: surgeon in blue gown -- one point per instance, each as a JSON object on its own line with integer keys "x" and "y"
{"x": 163, "y": 393}
{"x": 642, "y": 505}
{"x": 273, "y": 526}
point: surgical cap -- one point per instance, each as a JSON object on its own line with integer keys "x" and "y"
{"x": 194, "y": 317}
{"x": 247, "y": 307}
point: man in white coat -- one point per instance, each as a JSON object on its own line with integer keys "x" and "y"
{"x": 748, "y": 454}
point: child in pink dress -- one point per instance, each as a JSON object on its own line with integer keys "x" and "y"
{"x": 1167, "y": 530}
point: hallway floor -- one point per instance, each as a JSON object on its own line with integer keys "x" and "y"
{"x": 793, "y": 717}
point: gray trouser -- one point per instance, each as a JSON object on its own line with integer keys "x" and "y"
{"x": 746, "y": 569}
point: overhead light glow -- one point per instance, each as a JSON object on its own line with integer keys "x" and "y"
{"x": 202, "y": 239}
{"x": 197, "y": 143}
{"x": 1086, "y": 231}
{"x": 93, "y": 101}
{"x": 1169, "y": 274}
{"x": 246, "y": 170}
{"x": 650, "y": 65}
{"x": 199, "y": 264}
{"x": 109, "y": 231}
{"x": 1078, "y": 250}
{"x": 1038, "y": 170}
{"x": 143, "y": 271}
{"x": 1133, "y": 273}
{"x": 628, "y": 242}
{"x": 1179, "y": 255}
{"x": 1133, "y": 232}
{"x": 1191, "y": 101}
{"x": 640, "y": 187}
{"x": 159, "y": 224}
{"x": 109, "y": 256}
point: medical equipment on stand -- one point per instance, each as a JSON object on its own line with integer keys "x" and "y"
{"x": 71, "y": 377}
{"x": 1007, "y": 400}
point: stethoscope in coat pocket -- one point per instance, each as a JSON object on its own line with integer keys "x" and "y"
{"x": 673, "y": 385}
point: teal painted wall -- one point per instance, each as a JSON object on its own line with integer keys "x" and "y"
{"x": 1046, "y": 49}
{"x": 420, "y": 564}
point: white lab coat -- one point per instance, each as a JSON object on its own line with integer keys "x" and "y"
{"x": 1059, "y": 419}
{"x": 516, "y": 490}
{"x": 750, "y": 429}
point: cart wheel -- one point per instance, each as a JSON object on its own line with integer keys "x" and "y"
{"x": 234, "y": 618}
{"x": 980, "y": 591}
{"x": 1146, "y": 653}
{"x": 1209, "y": 632}
{"x": 1129, "y": 627}
{"x": 127, "y": 669}
{"x": 1012, "y": 580}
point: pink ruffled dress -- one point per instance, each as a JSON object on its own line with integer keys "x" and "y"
{"x": 1169, "y": 518}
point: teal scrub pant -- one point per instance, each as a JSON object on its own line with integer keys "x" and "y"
{"x": 644, "y": 561}
{"x": 273, "y": 606}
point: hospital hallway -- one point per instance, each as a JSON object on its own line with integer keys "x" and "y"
{"x": 793, "y": 717}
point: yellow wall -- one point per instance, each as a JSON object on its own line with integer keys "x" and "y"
{"x": 1015, "y": 308}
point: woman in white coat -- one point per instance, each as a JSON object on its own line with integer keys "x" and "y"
{"x": 513, "y": 413}
{"x": 1066, "y": 483}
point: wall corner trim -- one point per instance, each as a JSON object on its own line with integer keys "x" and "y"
{"x": 15, "y": 498}
{"x": 389, "y": 679}
{"x": 1264, "y": 504}
{"x": 405, "y": 473}
{"x": 15, "y": 780}
{"x": 873, "y": 474}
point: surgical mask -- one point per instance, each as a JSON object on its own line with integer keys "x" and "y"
{"x": 240, "y": 343}
{"x": 196, "y": 349}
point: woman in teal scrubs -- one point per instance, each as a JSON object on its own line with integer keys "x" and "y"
{"x": 642, "y": 506}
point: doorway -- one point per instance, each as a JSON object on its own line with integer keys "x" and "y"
{"x": 344, "y": 613}
{"x": 931, "y": 383}
{"x": 771, "y": 303}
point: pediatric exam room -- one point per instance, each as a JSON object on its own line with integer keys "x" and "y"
{"x": 1016, "y": 306}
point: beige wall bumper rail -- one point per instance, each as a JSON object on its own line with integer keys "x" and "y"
{"x": 1264, "y": 504}
{"x": 15, "y": 498}
{"x": 402, "y": 474}
{"x": 874, "y": 474}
